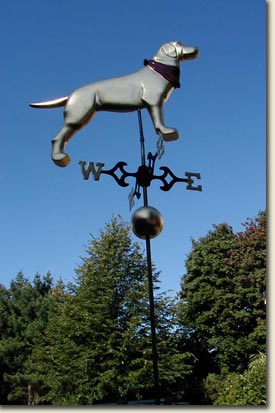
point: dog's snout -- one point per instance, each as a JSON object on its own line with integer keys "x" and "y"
{"x": 196, "y": 52}
{"x": 188, "y": 52}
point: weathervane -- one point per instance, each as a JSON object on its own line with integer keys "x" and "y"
{"x": 147, "y": 88}
{"x": 144, "y": 175}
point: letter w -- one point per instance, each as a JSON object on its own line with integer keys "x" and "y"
{"x": 91, "y": 168}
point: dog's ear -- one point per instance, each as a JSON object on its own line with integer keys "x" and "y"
{"x": 169, "y": 49}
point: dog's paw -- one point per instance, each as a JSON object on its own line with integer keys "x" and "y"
{"x": 172, "y": 135}
{"x": 62, "y": 160}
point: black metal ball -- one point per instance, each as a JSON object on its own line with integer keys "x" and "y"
{"x": 147, "y": 221}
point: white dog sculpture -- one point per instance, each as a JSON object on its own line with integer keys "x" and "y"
{"x": 147, "y": 88}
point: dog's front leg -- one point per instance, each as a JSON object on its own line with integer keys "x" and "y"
{"x": 156, "y": 113}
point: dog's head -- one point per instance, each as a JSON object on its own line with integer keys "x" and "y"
{"x": 173, "y": 53}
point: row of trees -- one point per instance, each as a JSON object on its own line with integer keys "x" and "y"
{"x": 89, "y": 341}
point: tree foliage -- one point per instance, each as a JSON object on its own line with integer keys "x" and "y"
{"x": 244, "y": 389}
{"x": 23, "y": 310}
{"x": 222, "y": 295}
{"x": 98, "y": 344}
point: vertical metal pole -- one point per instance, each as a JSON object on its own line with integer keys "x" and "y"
{"x": 150, "y": 278}
{"x": 142, "y": 146}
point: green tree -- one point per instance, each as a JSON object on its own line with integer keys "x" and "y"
{"x": 23, "y": 319}
{"x": 97, "y": 345}
{"x": 222, "y": 295}
{"x": 44, "y": 361}
{"x": 245, "y": 389}
{"x": 4, "y": 332}
{"x": 250, "y": 282}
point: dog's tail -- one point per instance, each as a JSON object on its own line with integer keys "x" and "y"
{"x": 57, "y": 103}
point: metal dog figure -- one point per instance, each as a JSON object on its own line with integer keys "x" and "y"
{"x": 147, "y": 88}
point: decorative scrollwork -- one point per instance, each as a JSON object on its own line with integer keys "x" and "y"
{"x": 124, "y": 174}
{"x": 144, "y": 176}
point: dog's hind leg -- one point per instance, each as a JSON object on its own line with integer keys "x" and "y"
{"x": 59, "y": 157}
{"x": 78, "y": 112}
{"x": 168, "y": 134}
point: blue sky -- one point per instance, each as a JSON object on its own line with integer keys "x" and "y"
{"x": 50, "y": 48}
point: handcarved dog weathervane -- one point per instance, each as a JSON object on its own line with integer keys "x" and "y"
{"x": 147, "y": 88}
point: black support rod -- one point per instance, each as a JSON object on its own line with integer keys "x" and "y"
{"x": 150, "y": 277}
